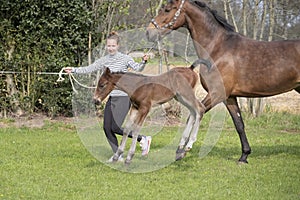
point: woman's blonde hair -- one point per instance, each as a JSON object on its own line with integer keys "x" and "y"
{"x": 114, "y": 35}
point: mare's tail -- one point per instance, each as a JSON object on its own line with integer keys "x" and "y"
{"x": 201, "y": 61}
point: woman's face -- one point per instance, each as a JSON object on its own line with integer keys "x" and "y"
{"x": 112, "y": 46}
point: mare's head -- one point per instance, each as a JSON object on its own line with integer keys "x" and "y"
{"x": 104, "y": 86}
{"x": 192, "y": 14}
{"x": 170, "y": 17}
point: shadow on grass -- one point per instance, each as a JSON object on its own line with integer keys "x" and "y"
{"x": 233, "y": 153}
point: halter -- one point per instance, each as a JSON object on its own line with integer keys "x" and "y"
{"x": 172, "y": 22}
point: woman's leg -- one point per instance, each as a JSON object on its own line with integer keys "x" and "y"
{"x": 115, "y": 112}
{"x": 107, "y": 126}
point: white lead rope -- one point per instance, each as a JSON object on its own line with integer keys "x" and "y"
{"x": 71, "y": 78}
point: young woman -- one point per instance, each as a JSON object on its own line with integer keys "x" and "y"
{"x": 118, "y": 103}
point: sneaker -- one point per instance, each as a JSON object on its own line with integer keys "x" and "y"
{"x": 120, "y": 159}
{"x": 145, "y": 144}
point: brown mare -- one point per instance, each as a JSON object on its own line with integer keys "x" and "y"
{"x": 242, "y": 67}
{"x": 148, "y": 91}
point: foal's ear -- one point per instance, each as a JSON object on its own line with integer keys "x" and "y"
{"x": 106, "y": 70}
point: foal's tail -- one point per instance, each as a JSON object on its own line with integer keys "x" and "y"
{"x": 201, "y": 61}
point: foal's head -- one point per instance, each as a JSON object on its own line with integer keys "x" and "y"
{"x": 104, "y": 86}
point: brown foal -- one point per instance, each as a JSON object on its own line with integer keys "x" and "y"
{"x": 148, "y": 91}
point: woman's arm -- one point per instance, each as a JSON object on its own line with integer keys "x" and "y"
{"x": 138, "y": 66}
{"x": 97, "y": 65}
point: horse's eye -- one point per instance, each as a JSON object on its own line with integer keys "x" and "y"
{"x": 101, "y": 86}
{"x": 162, "y": 8}
{"x": 167, "y": 9}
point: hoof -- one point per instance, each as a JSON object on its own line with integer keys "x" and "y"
{"x": 115, "y": 158}
{"x": 187, "y": 149}
{"x": 180, "y": 153}
{"x": 127, "y": 162}
{"x": 242, "y": 162}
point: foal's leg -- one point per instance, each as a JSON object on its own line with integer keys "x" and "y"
{"x": 196, "y": 108}
{"x": 127, "y": 129}
{"x": 131, "y": 152}
{"x": 121, "y": 148}
{"x": 199, "y": 110}
{"x": 180, "y": 152}
{"x": 187, "y": 130}
{"x": 235, "y": 113}
{"x": 138, "y": 119}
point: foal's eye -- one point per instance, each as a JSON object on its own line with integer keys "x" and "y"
{"x": 101, "y": 86}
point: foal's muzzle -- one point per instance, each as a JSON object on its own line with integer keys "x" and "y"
{"x": 97, "y": 101}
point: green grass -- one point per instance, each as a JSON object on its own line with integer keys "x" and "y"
{"x": 52, "y": 163}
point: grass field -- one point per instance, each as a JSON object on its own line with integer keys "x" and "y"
{"x": 52, "y": 163}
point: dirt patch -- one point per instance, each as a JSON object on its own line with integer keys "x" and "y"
{"x": 286, "y": 102}
{"x": 32, "y": 121}
{"x": 289, "y": 102}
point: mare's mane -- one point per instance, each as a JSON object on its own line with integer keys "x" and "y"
{"x": 221, "y": 20}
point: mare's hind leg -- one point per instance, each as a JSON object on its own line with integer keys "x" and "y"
{"x": 236, "y": 116}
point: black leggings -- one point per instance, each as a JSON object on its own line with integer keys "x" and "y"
{"x": 115, "y": 112}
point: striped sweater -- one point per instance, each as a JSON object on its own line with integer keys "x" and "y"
{"x": 116, "y": 63}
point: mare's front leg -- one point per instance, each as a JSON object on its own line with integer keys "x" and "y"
{"x": 236, "y": 116}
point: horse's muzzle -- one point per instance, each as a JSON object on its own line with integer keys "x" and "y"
{"x": 97, "y": 101}
{"x": 152, "y": 35}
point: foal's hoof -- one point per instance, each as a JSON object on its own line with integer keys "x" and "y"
{"x": 115, "y": 158}
{"x": 187, "y": 149}
{"x": 180, "y": 153}
{"x": 242, "y": 162}
{"x": 127, "y": 162}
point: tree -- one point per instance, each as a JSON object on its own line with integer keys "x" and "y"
{"x": 46, "y": 36}
{"x": 261, "y": 19}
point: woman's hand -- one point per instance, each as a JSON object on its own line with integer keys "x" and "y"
{"x": 68, "y": 69}
{"x": 145, "y": 58}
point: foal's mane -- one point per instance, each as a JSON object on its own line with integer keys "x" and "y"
{"x": 221, "y": 20}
